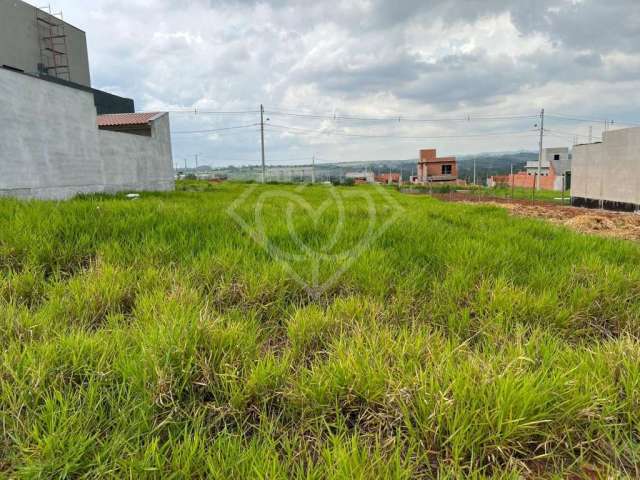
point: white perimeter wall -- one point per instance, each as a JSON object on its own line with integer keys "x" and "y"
{"x": 51, "y": 148}
{"x": 609, "y": 170}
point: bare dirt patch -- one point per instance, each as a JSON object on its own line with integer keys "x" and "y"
{"x": 598, "y": 222}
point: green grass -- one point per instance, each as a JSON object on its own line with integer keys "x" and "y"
{"x": 526, "y": 194}
{"x": 518, "y": 193}
{"x": 154, "y": 338}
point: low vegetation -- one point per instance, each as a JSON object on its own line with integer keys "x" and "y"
{"x": 475, "y": 192}
{"x": 155, "y": 338}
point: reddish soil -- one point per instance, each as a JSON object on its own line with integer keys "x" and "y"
{"x": 598, "y": 222}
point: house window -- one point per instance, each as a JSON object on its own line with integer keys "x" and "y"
{"x": 447, "y": 169}
{"x": 556, "y": 157}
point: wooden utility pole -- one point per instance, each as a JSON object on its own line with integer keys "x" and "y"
{"x": 264, "y": 169}
{"x": 313, "y": 169}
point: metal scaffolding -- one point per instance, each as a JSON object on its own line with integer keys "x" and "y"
{"x": 54, "y": 58}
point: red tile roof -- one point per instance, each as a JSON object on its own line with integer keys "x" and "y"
{"x": 122, "y": 119}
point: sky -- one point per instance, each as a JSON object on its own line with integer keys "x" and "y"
{"x": 357, "y": 80}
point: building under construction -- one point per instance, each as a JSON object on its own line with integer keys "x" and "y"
{"x": 434, "y": 169}
{"x": 38, "y": 42}
{"x": 58, "y": 136}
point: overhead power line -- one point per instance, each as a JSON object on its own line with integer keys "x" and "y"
{"x": 569, "y": 134}
{"x": 213, "y": 130}
{"x": 421, "y": 137}
{"x": 397, "y": 118}
{"x": 589, "y": 120}
{"x": 197, "y": 111}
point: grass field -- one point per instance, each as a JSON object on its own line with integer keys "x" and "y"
{"x": 526, "y": 194}
{"x": 518, "y": 193}
{"x": 155, "y": 338}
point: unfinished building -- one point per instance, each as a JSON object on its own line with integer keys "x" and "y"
{"x": 434, "y": 169}
{"x": 607, "y": 174}
{"x": 55, "y": 141}
{"x": 40, "y": 43}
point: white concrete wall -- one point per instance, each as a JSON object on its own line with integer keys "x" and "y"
{"x": 51, "y": 148}
{"x": 135, "y": 162}
{"x": 609, "y": 170}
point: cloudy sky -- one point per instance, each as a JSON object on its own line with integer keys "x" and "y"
{"x": 463, "y": 76}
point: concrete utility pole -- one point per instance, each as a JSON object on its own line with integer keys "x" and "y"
{"x": 474, "y": 171}
{"x": 264, "y": 168}
{"x": 512, "y": 181}
{"x": 313, "y": 169}
{"x": 541, "y": 151}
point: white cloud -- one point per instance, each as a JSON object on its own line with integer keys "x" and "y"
{"x": 413, "y": 58}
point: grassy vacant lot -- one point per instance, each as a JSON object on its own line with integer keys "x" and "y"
{"x": 519, "y": 193}
{"x": 525, "y": 194}
{"x": 155, "y": 338}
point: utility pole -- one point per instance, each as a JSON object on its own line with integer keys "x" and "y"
{"x": 474, "y": 171}
{"x": 541, "y": 152}
{"x": 196, "y": 163}
{"x": 512, "y": 181}
{"x": 313, "y": 169}
{"x": 264, "y": 169}
{"x": 590, "y": 134}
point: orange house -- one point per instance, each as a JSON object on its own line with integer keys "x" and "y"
{"x": 387, "y": 178}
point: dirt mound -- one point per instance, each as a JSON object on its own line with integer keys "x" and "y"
{"x": 591, "y": 223}
{"x": 598, "y": 222}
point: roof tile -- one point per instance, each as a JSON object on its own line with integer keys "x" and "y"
{"x": 122, "y": 119}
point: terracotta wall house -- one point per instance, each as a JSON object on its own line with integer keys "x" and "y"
{"x": 432, "y": 168}
{"x": 554, "y": 172}
{"x": 386, "y": 178}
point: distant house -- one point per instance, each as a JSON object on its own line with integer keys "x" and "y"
{"x": 388, "y": 178}
{"x": 361, "y": 177}
{"x": 555, "y": 172}
{"x": 434, "y": 169}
